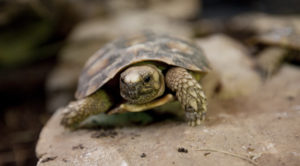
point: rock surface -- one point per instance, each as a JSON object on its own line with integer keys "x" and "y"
{"x": 259, "y": 23}
{"x": 261, "y": 129}
{"x": 233, "y": 69}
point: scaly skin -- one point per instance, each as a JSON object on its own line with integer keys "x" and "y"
{"x": 189, "y": 93}
{"x": 79, "y": 110}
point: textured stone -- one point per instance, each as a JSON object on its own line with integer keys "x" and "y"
{"x": 262, "y": 128}
{"x": 233, "y": 70}
{"x": 261, "y": 23}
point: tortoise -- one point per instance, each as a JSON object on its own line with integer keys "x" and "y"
{"x": 280, "y": 44}
{"x": 276, "y": 39}
{"x": 138, "y": 73}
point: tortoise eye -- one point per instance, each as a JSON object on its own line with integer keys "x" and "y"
{"x": 147, "y": 79}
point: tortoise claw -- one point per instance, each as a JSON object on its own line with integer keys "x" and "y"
{"x": 195, "y": 118}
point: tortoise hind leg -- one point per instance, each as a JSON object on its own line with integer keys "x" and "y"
{"x": 78, "y": 111}
{"x": 189, "y": 93}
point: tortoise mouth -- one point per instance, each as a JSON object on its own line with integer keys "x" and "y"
{"x": 137, "y": 94}
{"x": 131, "y": 92}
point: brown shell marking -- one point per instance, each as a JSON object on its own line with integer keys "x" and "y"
{"x": 116, "y": 56}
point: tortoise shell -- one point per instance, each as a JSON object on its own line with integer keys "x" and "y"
{"x": 107, "y": 62}
{"x": 287, "y": 37}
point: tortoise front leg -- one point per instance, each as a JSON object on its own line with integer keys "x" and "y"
{"x": 78, "y": 111}
{"x": 189, "y": 93}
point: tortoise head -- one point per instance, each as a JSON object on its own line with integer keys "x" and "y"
{"x": 141, "y": 84}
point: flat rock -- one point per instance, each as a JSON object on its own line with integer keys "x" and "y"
{"x": 259, "y": 23}
{"x": 232, "y": 68}
{"x": 260, "y": 129}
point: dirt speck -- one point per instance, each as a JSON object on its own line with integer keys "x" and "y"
{"x": 49, "y": 159}
{"x": 290, "y": 98}
{"x": 182, "y": 150}
{"x": 249, "y": 149}
{"x": 135, "y": 135}
{"x": 143, "y": 155}
{"x": 206, "y": 154}
{"x": 80, "y": 146}
{"x": 104, "y": 133}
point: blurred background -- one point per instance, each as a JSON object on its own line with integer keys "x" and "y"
{"x": 44, "y": 44}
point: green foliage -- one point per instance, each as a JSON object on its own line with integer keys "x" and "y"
{"x": 24, "y": 44}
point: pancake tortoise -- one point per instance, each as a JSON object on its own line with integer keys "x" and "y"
{"x": 140, "y": 73}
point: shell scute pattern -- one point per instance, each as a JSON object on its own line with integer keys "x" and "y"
{"x": 114, "y": 57}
